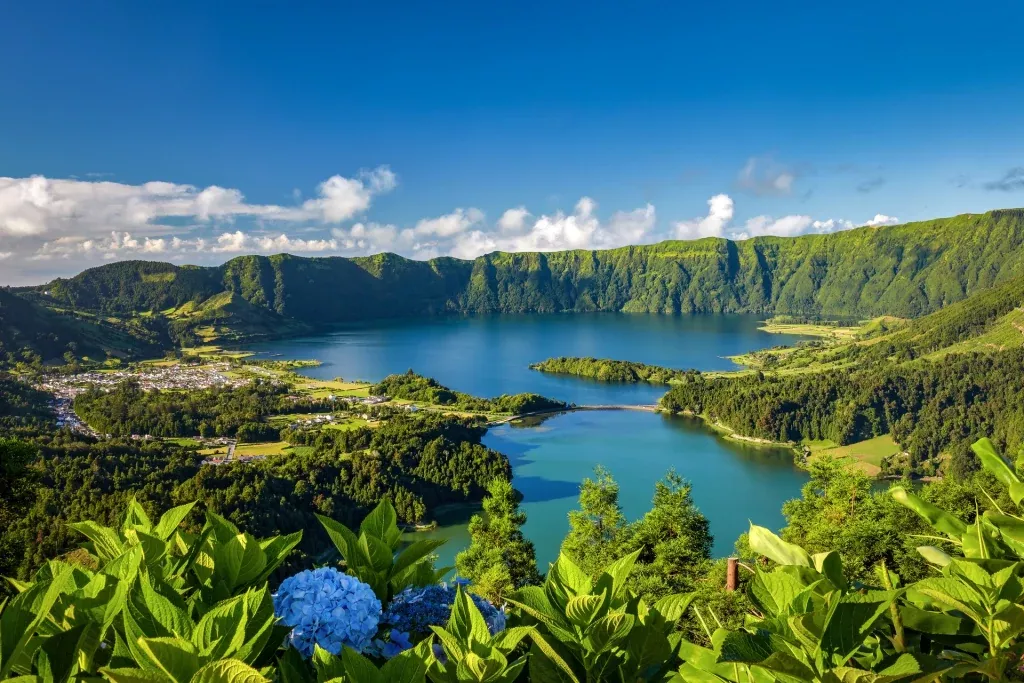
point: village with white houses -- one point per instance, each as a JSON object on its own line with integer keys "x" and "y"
{"x": 349, "y": 403}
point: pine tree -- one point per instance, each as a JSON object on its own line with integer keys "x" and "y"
{"x": 598, "y": 528}
{"x": 675, "y": 542}
{"x": 499, "y": 559}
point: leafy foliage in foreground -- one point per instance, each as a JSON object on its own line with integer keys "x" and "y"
{"x": 151, "y": 603}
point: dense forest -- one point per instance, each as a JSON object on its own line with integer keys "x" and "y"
{"x": 608, "y": 370}
{"x": 129, "y": 410}
{"x": 419, "y": 461}
{"x": 930, "y": 407}
{"x": 413, "y": 387}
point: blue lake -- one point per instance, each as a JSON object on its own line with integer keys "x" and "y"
{"x": 487, "y": 356}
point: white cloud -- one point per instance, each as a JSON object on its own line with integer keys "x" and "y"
{"x": 582, "y": 229}
{"x": 448, "y": 225}
{"x": 343, "y": 198}
{"x": 43, "y": 219}
{"x": 63, "y": 226}
{"x": 721, "y": 209}
{"x": 882, "y": 219}
{"x": 39, "y": 206}
{"x": 513, "y": 220}
{"x": 720, "y": 212}
{"x": 239, "y": 242}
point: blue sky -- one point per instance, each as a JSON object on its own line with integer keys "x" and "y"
{"x": 596, "y": 124}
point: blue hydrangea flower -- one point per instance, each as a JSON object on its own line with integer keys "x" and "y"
{"x": 415, "y": 610}
{"x": 396, "y": 643}
{"x": 327, "y": 608}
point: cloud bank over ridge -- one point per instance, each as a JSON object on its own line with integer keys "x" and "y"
{"x": 52, "y": 227}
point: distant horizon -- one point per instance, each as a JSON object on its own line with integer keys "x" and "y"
{"x": 471, "y": 259}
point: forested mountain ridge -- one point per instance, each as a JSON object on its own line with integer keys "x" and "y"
{"x": 904, "y": 270}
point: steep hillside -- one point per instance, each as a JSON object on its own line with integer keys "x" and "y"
{"x": 28, "y": 326}
{"x": 906, "y": 271}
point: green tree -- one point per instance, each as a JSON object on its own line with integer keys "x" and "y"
{"x": 17, "y": 481}
{"x": 499, "y": 559}
{"x": 840, "y": 510}
{"x": 674, "y": 539}
{"x": 598, "y": 527}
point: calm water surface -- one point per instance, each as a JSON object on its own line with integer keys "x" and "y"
{"x": 487, "y": 356}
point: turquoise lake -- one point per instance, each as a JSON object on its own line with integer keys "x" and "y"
{"x": 487, "y": 356}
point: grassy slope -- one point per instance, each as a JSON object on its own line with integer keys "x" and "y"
{"x": 26, "y": 324}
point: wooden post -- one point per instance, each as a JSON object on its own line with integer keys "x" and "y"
{"x": 732, "y": 571}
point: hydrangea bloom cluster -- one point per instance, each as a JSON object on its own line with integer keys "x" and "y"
{"x": 327, "y": 608}
{"x": 415, "y": 610}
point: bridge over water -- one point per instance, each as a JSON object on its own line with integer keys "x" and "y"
{"x": 647, "y": 408}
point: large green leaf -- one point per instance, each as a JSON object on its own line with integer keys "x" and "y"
{"x": 534, "y": 601}
{"x": 135, "y": 517}
{"x": 608, "y": 631}
{"x": 327, "y": 665}
{"x": 23, "y": 615}
{"x": 565, "y": 580}
{"x": 222, "y": 629}
{"x": 615, "y": 574}
{"x": 170, "y": 520}
{"x": 830, "y": 565}
{"x": 852, "y": 620}
{"x": 978, "y": 542}
{"x": 465, "y": 620}
{"x": 415, "y": 552}
{"x": 993, "y": 462}
{"x": 62, "y": 651}
{"x": 583, "y": 609}
{"x": 953, "y": 594}
{"x": 359, "y": 668}
{"x": 773, "y": 592}
{"x": 764, "y": 542}
{"x": 934, "y": 555}
{"x": 647, "y": 650}
{"x": 105, "y": 541}
{"x": 291, "y": 668}
{"x": 223, "y": 530}
{"x": 381, "y": 523}
{"x": 549, "y": 662}
{"x": 169, "y": 613}
{"x": 936, "y": 623}
{"x": 376, "y": 553}
{"x": 741, "y": 646}
{"x": 254, "y": 560}
{"x": 275, "y": 550}
{"x": 406, "y": 667}
{"x": 176, "y": 657}
{"x": 937, "y": 517}
{"x": 672, "y": 607}
{"x": 227, "y": 560}
{"x": 125, "y": 675}
{"x": 228, "y": 671}
{"x": 343, "y": 539}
